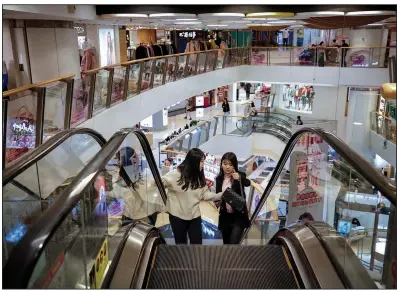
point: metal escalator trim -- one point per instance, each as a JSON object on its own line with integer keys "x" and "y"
{"x": 290, "y": 267}
{"x": 25, "y": 189}
{"x": 112, "y": 268}
{"x": 24, "y": 256}
{"x": 308, "y": 255}
{"x": 362, "y": 166}
{"x": 131, "y": 263}
{"x": 18, "y": 166}
{"x": 350, "y": 269}
{"x": 153, "y": 261}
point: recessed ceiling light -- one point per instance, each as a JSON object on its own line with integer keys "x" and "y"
{"x": 277, "y": 14}
{"x": 186, "y": 22}
{"x": 217, "y": 25}
{"x": 172, "y": 15}
{"x": 229, "y": 14}
{"x": 257, "y": 18}
{"x": 186, "y": 19}
{"x": 134, "y": 15}
{"x": 375, "y": 24}
{"x": 357, "y": 123}
{"x": 258, "y": 24}
{"x": 282, "y": 22}
{"x": 320, "y": 13}
{"x": 370, "y": 12}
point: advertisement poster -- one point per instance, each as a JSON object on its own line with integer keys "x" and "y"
{"x": 302, "y": 197}
{"x": 106, "y": 46}
{"x": 258, "y": 58}
{"x": 299, "y": 40}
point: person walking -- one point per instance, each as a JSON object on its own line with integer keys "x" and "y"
{"x": 186, "y": 189}
{"x": 299, "y": 121}
{"x": 188, "y": 109}
{"x": 225, "y": 106}
{"x": 231, "y": 223}
{"x": 344, "y": 52}
{"x": 285, "y": 37}
{"x": 247, "y": 88}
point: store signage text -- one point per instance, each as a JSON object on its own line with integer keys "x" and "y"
{"x": 22, "y": 127}
{"x": 186, "y": 34}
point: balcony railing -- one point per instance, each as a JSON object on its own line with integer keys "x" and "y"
{"x": 33, "y": 113}
{"x": 384, "y": 126}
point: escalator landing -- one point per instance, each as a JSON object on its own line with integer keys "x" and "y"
{"x": 221, "y": 267}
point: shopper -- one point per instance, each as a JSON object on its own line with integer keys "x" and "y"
{"x": 299, "y": 121}
{"x": 247, "y": 88}
{"x": 321, "y": 54}
{"x": 225, "y": 106}
{"x": 253, "y": 112}
{"x": 306, "y": 217}
{"x": 344, "y": 52}
{"x": 188, "y": 109}
{"x": 186, "y": 188}
{"x": 231, "y": 223}
{"x": 285, "y": 37}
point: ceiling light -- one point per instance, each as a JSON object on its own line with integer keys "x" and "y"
{"x": 375, "y": 24}
{"x": 186, "y": 19}
{"x": 229, "y": 14}
{"x": 258, "y": 24}
{"x": 282, "y": 22}
{"x": 217, "y": 25}
{"x": 369, "y": 12}
{"x": 277, "y": 14}
{"x": 256, "y": 18}
{"x": 162, "y": 15}
{"x": 320, "y": 13}
{"x": 186, "y": 22}
{"x": 357, "y": 123}
{"x": 136, "y": 15}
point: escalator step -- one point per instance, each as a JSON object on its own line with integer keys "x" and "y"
{"x": 220, "y": 267}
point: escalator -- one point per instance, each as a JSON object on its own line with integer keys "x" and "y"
{"x": 303, "y": 255}
{"x": 31, "y": 183}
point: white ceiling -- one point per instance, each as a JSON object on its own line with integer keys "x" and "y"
{"x": 177, "y": 21}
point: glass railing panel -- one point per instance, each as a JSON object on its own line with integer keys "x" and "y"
{"x": 32, "y": 191}
{"x": 211, "y": 58}
{"x": 159, "y": 72}
{"x": 186, "y": 142}
{"x": 80, "y": 101}
{"x": 280, "y": 56}
{"x": 147, "y": 75}
{"x": 64, "y": 253}
{"x": 101, "y": 91}
{"x": 204, "y": 133}
{"x": 118, "y": 85}
{"x": 303, "y": 56}
{"x": 259, "y": 56}
{"x": 325, "y": 187}
{"x": 21, "y": 125}
{"x": 133, "y": 80}
{"x": 384, "y": 126}
{"x": 191, "y": 71}
{"x": 221, "y": 57}
{"x": 201, "y": 63}
{"x": 54, "y": 111}
{"x": 214, "y": 122}
{"x": 180, "y": 74}
{"x": 170, "y": 77}
{"x": 332, "y": 57}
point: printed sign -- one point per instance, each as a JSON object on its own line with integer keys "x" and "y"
{"x": 186, "y": 34}
{"x": 302, "y": 197}
{"x": 258, "y": 58}
{"x": 98, "y": 269}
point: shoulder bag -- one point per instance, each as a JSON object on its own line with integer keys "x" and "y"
{"x": 236, "y": 201}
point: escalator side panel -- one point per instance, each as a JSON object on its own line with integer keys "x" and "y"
{"x": 221, "y": 267}
{"x": 309, "y": 257}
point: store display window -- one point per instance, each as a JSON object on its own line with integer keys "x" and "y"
{"x": 297, "y": 97}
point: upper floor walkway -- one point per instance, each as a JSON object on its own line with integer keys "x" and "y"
{"x": 109, "y": 98}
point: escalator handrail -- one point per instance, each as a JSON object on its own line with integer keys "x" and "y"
{"x": 362, "y": 166}
{"x": 276, "y": 113}
{"x": 280, "y": 120}
{"x": 30, "y": 158}
{"x": 24, "y": 256}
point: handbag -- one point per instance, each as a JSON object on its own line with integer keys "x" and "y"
{"x": 236, "y": 201}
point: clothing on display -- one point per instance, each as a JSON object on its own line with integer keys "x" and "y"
{"x": 89, "y": 61}
{"x": 298, "y": 97}
{"x": 152, "y": 50}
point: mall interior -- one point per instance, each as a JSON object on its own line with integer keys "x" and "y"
{"x": 103, "y": 103}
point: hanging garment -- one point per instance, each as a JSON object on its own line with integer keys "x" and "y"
{"x": 141, "y": 52}
{"x": 151, "y": 51}
{"x": 88, "y": 62}
{"x": 157, "y": 50}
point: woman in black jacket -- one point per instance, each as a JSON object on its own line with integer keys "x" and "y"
{"x": 231, "y": 223}
{"x": 225, "y": 106}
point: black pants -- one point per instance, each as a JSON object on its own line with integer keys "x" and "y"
{"x": 285, "y": 41}
{"x": 184, "y": 228}
{"x": 247, "y": 94}
{"x": 232, "y": 234}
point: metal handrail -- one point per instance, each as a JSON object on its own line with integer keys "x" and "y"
{"x": 18, "y": 166}
{"x": 24, "y": 256}
{"x": 362, "y": 166}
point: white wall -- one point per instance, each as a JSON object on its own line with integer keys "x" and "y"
{"x": 20, "y": 52}
{"x": 8, "y": 57}
{"x": 358, "y": 125}
{"x": 53, "y": 52}
{"x": 138, "y": 108}
{"x": 220, "y": 144}
{"x": 267, "y": 145}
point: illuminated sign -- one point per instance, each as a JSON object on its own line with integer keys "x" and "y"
{"x": 21, "y": 127}
{"x": 187, "y": 34}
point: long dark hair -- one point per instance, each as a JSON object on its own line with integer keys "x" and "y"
{"x": 230, "y": 157}
{"x": 191, "y": 176}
